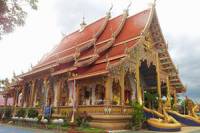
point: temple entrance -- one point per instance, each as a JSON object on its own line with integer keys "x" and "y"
{"x": 64, "y": 93}
{"x": 27, "y": 92}
{"x": 92, "y": 94}
{"x": 99, "y": 94}
{"x": 116, "y": 89}
{"x": 130, "y": 88}
{"x": 39, "y": 96}
{"x": 85, "y": 96}
{"x": 148, "y": 80}
{"x": 50, "y": 98}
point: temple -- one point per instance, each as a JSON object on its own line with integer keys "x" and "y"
{"x": 101, "y": 69}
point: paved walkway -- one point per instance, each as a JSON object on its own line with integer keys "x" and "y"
{"x": 184, "y": 130}
{"x": 13, "y": 129}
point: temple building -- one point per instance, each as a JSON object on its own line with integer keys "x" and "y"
{"x": 101, "y": 68}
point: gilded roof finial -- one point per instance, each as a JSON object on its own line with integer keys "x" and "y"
{"x": 127, "y": 9}
{"x": 109, "y": 11}
{"x": 129, "y": 6}
{"x": 83, "y": 24}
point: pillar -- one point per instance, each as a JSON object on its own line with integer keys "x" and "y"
{"x": 17, "y": 97}
{"x": 23, "y": 97}
{"x": 168, "y": 101}
{"x": 93, "y": 94}
{"x": 32, "y": 93}
{"x": 158, "y": 83}
{"x": 77, "y": 95}
{"x": 35, "y": 97}
{"x": 46, "y": 90}
{"x": 121, "y": 82}
{"x": 175, "y": 98}
{"x": 57, "y": 93}
{"x": 14, "y": 99}
{"x": 138, "y": 87}
{"x": 108, "y": 90}
{"x": 5, "y": 100}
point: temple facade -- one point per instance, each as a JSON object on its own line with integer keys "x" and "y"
{"x": 101, "y": 68}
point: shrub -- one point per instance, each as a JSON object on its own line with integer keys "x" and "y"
{"x": 1, "y": 112}
{"x": 21, "y": 113}
{"x": 7, "y": 112}
{"x": 39, "y": 118}
{"x": 83, "y": 119}
{"x": 137, "y": 116}
{"x": 32, "y": 113}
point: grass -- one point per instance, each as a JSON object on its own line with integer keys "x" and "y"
{"x": 90, "y": 130}
{"x": 81, "y": 129}
{"x": 54, "y": 126}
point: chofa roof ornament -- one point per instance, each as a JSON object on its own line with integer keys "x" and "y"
{"x": 127, "y": 9}
{"x": 109, "y": 11}
{"x": 83, "y": 24}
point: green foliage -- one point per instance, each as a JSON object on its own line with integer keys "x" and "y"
{"x": 7, "y": 112}
{"x": 32, "y": 113}
{"x": 1, "y": 112}
{"x": 138, "y": 115}
{"x": 21, "y": 113}
{"x": 184, "y": 106}
{"x": 82, "y": 120}
{"x": 91, "y": 130}
{"x": 151, "y": 99}
{"x": 64, "y": 126}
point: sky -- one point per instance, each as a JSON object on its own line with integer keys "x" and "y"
{"x": 179, "y": 21}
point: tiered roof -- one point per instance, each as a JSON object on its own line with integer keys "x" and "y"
{"x": 88, "y": 52}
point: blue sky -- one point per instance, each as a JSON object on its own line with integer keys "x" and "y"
{"x": 179, "y": 20}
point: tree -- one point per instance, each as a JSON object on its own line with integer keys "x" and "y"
{"x": 4, "y": 84}
{"x": 12, "y": 14}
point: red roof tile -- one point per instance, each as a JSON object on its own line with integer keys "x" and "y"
{"x": 132, "y": 28}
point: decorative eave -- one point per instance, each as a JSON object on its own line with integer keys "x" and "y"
{"x": 105, "y": 47}
{"x": 128, "y": 63}
{"x": 166, "y": 61}
{"x": 87, "y": 62}
{"x": 133, "y": 53}
{"x": 88, "y": 75}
